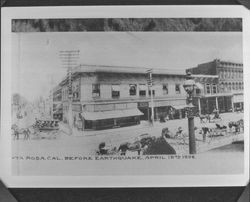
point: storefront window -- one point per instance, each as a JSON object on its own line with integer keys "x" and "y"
{"x": 165, "y": 89}
{"x": 115, "y": 90}
{"x": 142, "y": 90}
{"x": 132, "y": 89}
{"x": 95, "y": 90}
{"x": 177, "y": 89}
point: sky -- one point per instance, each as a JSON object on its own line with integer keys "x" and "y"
{"x": 36, "y": 65}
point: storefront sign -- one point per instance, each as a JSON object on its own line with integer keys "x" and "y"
{"x": 142, "y": 104}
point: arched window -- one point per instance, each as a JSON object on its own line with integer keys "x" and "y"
{"x": 225, "y": 86}
{"x": 221, "y": 74}
{"x": 233, "y": 86}
{"x": 222, "y": 87}
{"x": 236, "y": 86}
{"x": 230, "y": 86}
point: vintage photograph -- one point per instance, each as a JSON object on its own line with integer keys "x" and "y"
{"x": 96, "y": 96}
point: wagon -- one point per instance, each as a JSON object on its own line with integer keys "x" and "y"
{"x": 47, "y": 125}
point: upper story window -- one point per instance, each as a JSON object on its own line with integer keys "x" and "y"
{"x": 115, "y": 90}
{"x": 165, "y": 89}
{"x": 149, "y": 92}
{"x": 142, "y": 90}
{"x": 230, "y": 86}
{"x": 76, "y": 91}
{"x": 221, "y": 74}
{"x": 76, "y": 95}
{"x": 236, "y": 86}
{"x": 214, "y": 88}
{"x": 132, "y": 89}
{"x": 208, "y": 88}
{"x": 197, "y": 91}
{"x": 95, "y": 90}
{"x": 177, "y": 88}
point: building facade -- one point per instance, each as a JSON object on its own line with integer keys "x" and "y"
{"x": 57, "y": 107}
{"x": 230, "y": 85}
{"x": 107, "y": 96}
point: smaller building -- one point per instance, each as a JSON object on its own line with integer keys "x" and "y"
{"x": 207, "y": 96}
{"x": 229, "y": 88}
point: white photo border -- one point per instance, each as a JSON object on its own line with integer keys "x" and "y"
{"x": 115, "y": 12}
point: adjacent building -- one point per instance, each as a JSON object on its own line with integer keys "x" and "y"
{"x": 224, "y": 93}
{"x": 57, "y": 107}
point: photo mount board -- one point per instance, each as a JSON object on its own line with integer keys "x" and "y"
{"x": 115, "y": 181}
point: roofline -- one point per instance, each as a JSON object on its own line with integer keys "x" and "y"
{"x": 88, "y": 68}
{"x": 204, "y": 76}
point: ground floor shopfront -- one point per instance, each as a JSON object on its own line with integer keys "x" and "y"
{"x": 105, "y": 116}
{"x": 163, "y": 109}
{"x": 224, "y": 103}
{"x": 238, "y": 100}
{"x": 113, "y": 115}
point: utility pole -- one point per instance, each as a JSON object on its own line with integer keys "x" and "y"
{"x": 51, "y": 96}
{"x": 150, "y": 85}
{"x": 69, "y": 60}
{"x": 189, "y": 86}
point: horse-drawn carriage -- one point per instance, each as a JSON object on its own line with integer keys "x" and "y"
{"x": 137, "y": 145}
{"x": 47, "y": 125}
{"x": 38, "y": 129}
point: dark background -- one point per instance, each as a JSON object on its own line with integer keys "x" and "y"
{"x": 201, "y": 194}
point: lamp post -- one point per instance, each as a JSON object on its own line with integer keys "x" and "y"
{"x": 189, "y": 86}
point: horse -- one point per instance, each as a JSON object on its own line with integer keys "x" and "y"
{"x": 141, "y": 143}
{"x": 127, "y": 146}
{"x": 26, "y": 133}
{"x": 204, "y": 117}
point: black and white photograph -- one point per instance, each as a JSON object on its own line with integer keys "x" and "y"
{"x": 127, "y": 96}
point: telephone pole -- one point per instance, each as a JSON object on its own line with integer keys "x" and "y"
{"x": 69, "y": 60}
{"x": 150, "y": 85}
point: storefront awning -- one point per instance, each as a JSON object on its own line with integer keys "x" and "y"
{"x": 182, "y": 106}
{"x": 111, "y": 114}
